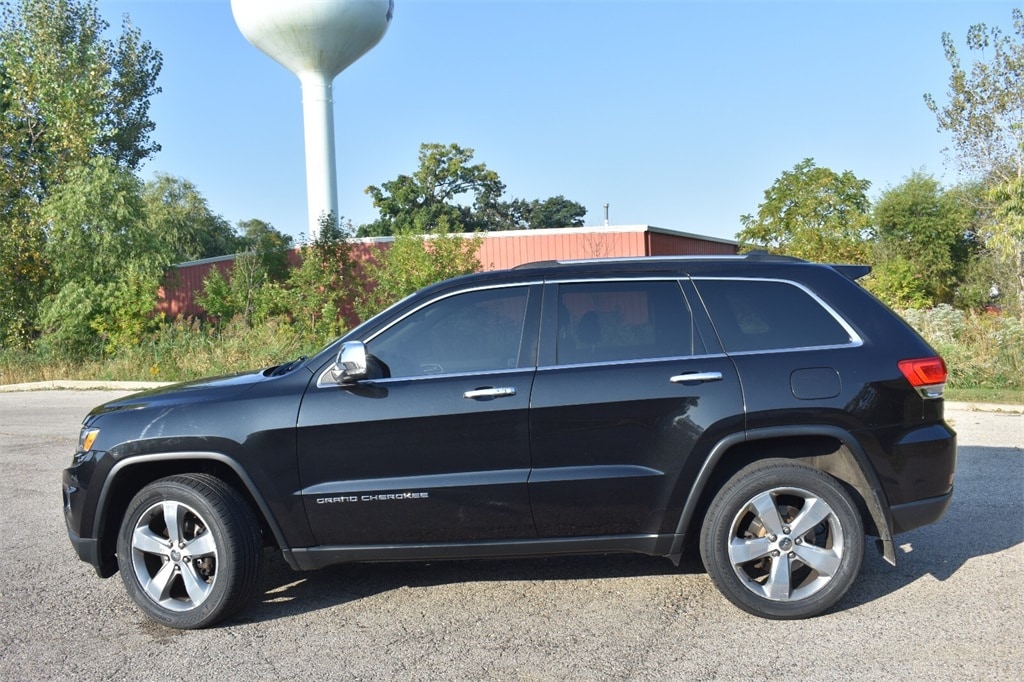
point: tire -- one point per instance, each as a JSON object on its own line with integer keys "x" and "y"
{"x": 782, "y": 540}
{"x": 189, "y": 551}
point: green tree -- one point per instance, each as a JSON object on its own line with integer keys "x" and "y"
{"x": 556, "y": 212}
{"x": 321, "y": 290}
{"x": 418, "y": 203}
{"x": 251, "y": 287}
{"x": 96, "y": 225}
{"x": 412, "y": 262}
{"x": 924, "y": 242}
{"x": 811, "y": 212}
{"x": 519, "y": 214}
{"x": 984, "y": 115}
{"x": 67, "y": 96}
{"x": 106, "y": 263}
{"x": 177, "y": 210}
{"x": 269, "y": 245}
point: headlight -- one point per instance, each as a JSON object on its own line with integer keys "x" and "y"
{"x": 86, "y": 439}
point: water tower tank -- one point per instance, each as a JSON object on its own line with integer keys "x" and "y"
{"x": 316, "y": 40}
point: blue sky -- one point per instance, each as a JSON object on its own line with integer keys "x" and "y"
{"x": 677, "y": 114}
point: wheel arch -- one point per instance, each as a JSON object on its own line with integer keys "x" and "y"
{"x": 130, "y": 475}
{"x": 826, "y": 448}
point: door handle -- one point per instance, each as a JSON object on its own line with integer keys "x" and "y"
{"x": 696, "y": 377}
{"x": 484, "y": 393}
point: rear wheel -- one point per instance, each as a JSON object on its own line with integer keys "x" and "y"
{"x": 782, "y": 540}
{"x": 189, "y": 550}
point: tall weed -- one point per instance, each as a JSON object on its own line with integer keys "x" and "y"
{"x": 180, "y": 350}
{"x": 982, "y": 350}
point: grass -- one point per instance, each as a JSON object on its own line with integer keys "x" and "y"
{"x": 180, "y": 351}
{"x": 1005, "y": 396}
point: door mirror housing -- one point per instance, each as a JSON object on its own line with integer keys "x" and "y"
{"x": 350, "y": 365}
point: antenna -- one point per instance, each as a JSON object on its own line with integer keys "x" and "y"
{"x": 316, "y": 40}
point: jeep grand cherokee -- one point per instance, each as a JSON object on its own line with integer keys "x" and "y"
{"x": 767, "y": 410}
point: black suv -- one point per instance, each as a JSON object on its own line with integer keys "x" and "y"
{"x": 769, "y": 409}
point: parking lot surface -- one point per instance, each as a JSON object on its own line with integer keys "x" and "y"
{"x": 953, "y": 608}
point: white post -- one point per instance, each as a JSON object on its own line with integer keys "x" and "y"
{"x": 321, "y": 169}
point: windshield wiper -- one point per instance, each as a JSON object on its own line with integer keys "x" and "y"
{"x": 287, "y": 367}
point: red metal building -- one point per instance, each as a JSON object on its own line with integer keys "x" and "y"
{"x": 499, "y": 250}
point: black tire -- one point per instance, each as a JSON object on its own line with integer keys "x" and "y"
{"x": 782, "y": 540}
{"x": 189, "y": 551}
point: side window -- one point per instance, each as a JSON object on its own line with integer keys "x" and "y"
{"x": 753, "y": 315}
{"x": 472, "y": 332}
{"x": 613, "y": 321}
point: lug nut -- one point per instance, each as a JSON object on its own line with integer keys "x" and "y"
{"x": 775, "y": 552}
{"x": 772, "y": 537}
{"x": 792, "y": 555}
{"x": 786, "y": 531}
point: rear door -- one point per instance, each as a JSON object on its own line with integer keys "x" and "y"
{"x": 626, "y": 390}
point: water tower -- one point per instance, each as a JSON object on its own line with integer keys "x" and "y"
{"x": 316, "y": 40}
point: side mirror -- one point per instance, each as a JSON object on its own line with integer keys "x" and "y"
{"x": 350, "y": 365}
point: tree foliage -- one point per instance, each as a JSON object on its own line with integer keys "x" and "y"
{"x": 96, "y": 225}
{"x": 251, "y": 287}
{"x": 984, "y": 114}
{"x": 176, "y": 210}
{"x": 322, "y": 289}
{"x": 68, "y": 96}
{"x": 520, "y": 214}
{"x": 106, "y": 262}
{"x": 924, "y": 242}
{"x": 269, "y": 245}
{"x": 448, "y": 188}
{"x": 811, "y": 212}
{"x": 412, "y": 262}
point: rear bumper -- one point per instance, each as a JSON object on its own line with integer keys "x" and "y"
{"x": 919, "y": 512}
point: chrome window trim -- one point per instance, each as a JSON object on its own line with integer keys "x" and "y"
{"x": 663, "y": 359}
{"x": 855, "y": 338}
{"x": 449, "y": 294}
{"x": 422, "y": 377}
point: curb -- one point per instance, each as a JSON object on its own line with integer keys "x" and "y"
{"x": 83, "y": 386}
{"x": 985, "y": 407}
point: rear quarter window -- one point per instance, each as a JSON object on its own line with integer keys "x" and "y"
{"x": 763, "y": 315}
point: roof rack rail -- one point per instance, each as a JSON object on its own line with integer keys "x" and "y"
{"x": 762, "y": 255}
{"x": 537, "y": 264}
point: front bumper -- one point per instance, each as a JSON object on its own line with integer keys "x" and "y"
{"x": 88, "y": 549}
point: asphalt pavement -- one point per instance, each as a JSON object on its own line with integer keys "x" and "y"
{"x": 951, "y": 610}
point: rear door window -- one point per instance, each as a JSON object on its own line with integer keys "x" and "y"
{"x": 623, "y": 320}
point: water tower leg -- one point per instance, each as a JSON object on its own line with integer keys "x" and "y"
{"x": 321, "y": 171}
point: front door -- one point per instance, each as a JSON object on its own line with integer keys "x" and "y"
{"x": 438, "y": 450}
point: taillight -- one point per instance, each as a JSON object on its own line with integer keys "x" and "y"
{"x": 927, "y": 375}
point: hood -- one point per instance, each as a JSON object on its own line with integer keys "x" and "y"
{"x": 200, "y": 390}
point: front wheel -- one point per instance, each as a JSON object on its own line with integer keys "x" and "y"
{"x": 782, "y": 540}
{"x": 189, "y": 550}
